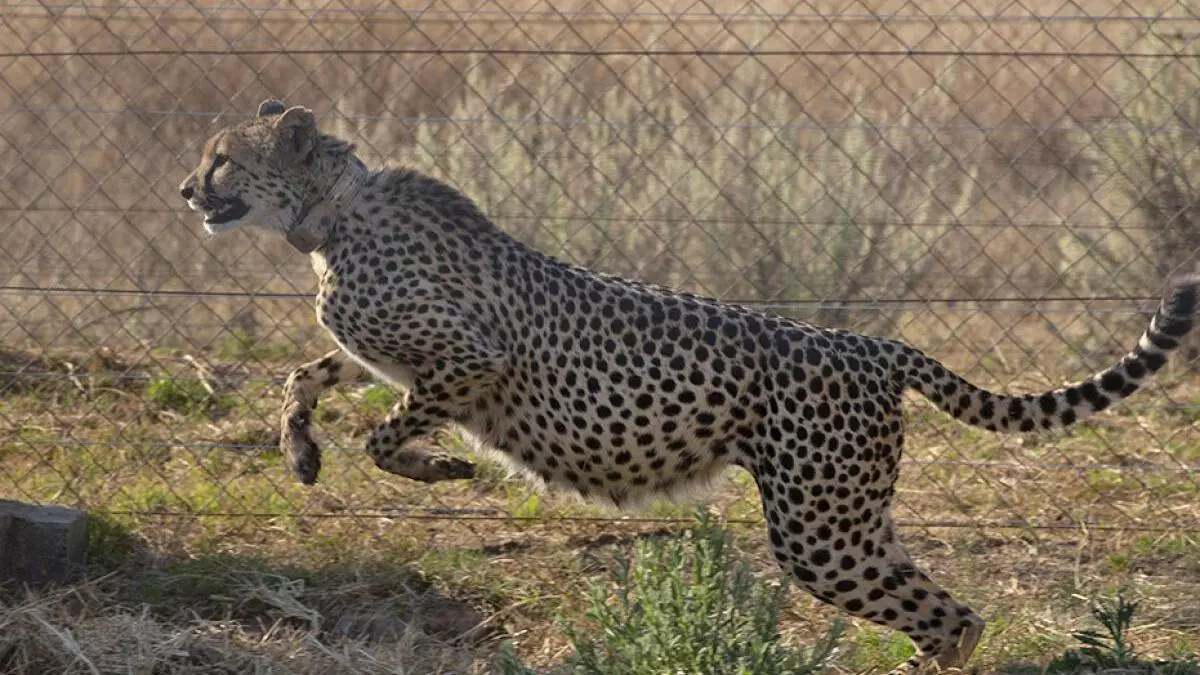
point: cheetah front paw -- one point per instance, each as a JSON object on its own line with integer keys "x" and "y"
{"x": 300, "y": 451}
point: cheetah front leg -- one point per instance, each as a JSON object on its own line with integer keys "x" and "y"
{"x": 304, "y": 386}
{"x": 441, "y": 395}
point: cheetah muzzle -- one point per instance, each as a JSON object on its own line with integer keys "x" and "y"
{"x": 617, "y": 389}
{"x": 223, "y": 211}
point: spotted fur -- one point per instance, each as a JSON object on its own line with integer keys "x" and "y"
{"x": 616, "y": 389}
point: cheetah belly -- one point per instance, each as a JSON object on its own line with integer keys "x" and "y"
{"x": 390, "y": 372}
{"x": 596, "y": 443}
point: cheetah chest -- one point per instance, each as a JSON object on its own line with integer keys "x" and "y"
{"x": 352, "y": 327}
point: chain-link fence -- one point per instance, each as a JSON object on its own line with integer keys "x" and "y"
{"x": 1005, "y": 187}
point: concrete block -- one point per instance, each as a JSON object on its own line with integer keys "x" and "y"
{"x": 41, "y": 544}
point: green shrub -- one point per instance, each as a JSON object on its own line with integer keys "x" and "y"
{"x": 110, "y": 541}
{"x": 685, "y": 605}
{"x": 1109, "y": 649}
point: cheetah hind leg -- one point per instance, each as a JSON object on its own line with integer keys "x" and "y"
{"x": 393, "y": 451}
{"x": 875, "y": 579}
{"x": 426, "y": 465}
{"x": 456, "y": 384}
{"x": 952, "y": 660}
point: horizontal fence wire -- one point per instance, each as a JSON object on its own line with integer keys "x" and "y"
{"x": 558, "y": 16}
{"x": 1110, "y": 128}
{"x": 508, "y": 517}
{"x": 516, "y": 51}
{"x": 1007, "y": 190}
{"x": 876, "y": 302}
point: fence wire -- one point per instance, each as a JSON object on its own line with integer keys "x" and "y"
{"x": 1007, "y": 189}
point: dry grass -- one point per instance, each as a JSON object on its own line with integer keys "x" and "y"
{"x": 87, "y": 629}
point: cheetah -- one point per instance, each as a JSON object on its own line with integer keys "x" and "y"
{"x": 616, "y": 389}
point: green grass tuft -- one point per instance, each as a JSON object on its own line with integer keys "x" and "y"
{"x": 186, "y": 396}
{"x": 240, "y": 345}
{"x": 380, "y": 397}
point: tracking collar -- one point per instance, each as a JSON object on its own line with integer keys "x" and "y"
{"x": 311, "y": 230}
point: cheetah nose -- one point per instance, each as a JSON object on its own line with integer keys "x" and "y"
{"x": 186, "y": 191}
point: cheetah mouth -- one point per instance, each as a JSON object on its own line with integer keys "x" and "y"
{"x": 228, "y": 212}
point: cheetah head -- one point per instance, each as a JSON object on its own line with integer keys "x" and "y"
{"x": 257, "y": 173}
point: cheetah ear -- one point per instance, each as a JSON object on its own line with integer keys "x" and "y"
{"x": 270, "y": 108}
{"x": 298, "y": 129}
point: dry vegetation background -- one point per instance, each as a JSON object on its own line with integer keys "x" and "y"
{"x": 1004, "y": 185}
{"x": 811, "y": 175}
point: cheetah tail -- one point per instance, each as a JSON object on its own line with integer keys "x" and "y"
{"x": 1065, "y": 406}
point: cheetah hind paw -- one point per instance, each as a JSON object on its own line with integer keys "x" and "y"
{"x": 426, "y": 466}
{"x": 449, "y": 467}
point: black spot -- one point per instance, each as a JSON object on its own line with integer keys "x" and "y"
{"x": 988, "y": 409}
{"x": 1135, "y": 369}
{"x": 1174, "y": 327}
{"x": 1112, "y": 381}
{"x": 1163, "y": 342}
{"x": 1048, "y": 403}
{"x": 803, "y": 574}
{"x": 1016, "y": 409}
{"x": 1153, "y": 361}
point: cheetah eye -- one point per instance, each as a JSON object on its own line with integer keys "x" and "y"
{"x": 220, "y": 160}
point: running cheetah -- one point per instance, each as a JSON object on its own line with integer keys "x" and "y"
{"x": 616, "y": 389}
